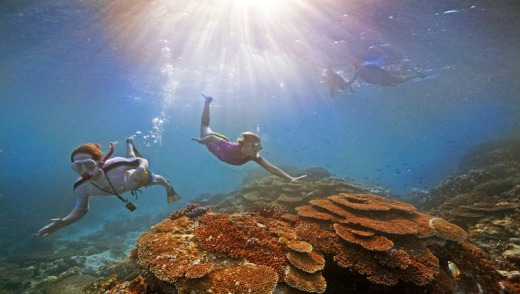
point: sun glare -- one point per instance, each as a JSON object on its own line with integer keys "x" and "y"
{"x": 270, "y": 6}
{"x": 235, "y": 49}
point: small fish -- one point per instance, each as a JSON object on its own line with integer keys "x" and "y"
{"x": 451, "y": 11}
{"x": 454, "y": 270}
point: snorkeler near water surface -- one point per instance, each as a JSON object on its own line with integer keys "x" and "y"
{"x": 373, "y": 70}
{"x": 103, "y": 176}
{"x": 246, "y": 149}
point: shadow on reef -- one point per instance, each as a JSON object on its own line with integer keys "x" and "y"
{"x": 338, "y": 239}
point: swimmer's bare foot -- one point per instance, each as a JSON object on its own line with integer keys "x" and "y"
{"x": 208, "y": 98}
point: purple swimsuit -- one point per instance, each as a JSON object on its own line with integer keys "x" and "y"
{"x": 229, "y": 152}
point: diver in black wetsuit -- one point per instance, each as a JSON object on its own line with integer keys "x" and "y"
{"x": 373, "y": 73}
{"x": 334, "y": 81}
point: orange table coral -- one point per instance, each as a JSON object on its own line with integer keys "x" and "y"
{"x": 381, "y": 238}
{"x": 366, "y": 238}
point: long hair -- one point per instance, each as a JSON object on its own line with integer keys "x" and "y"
{"x": 93, "y": 149}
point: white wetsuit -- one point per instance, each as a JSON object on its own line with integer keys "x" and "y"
{"x": 119, "y": 170}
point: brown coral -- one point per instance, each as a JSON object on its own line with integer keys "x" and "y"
{"x": 370, "y": 202}
{"x": 387, "y": 247}
{"x": 240, "y": 236}
{"x": 370, "y": 242}
{"x": 224, "y": 253}
{"x": 192, "y": 210}
{"x": 307, "y": 282}
{"x": 309, "y": 262}
{"x": 299, "y": 246}
{"x": 167, "y": 253}
{"x": 247, "y": 278}
{"x": 267, "y": 210}
{"x": 447, "y": 230}
{"x": 390, "y": 222}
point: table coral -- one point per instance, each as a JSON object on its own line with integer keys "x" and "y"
{"x": 309, "y": 262}
{"x": 307, "y": 282}
{"x": 387, "y": 247}
{"x": 377, "y": 242}
{"x": 447, "y": 230}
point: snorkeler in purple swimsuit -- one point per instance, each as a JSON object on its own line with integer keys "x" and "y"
{"x": 245, "y": 149}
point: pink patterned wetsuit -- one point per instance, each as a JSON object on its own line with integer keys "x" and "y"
{"x": 229, "y": 152}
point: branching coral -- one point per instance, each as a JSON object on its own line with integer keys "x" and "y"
{"x": 267, "y": 210}
{"x": 193, "y": 210}
{"x": 240, "y": 236}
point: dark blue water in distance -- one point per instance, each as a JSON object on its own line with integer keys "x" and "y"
{"x": 77, "y": 71}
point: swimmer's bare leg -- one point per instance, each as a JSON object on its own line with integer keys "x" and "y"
{"x": 131, "y": 151}
{"x": 171, "y": 195}
{"x": 205, "y": 130}
{"x": 130, "y": 148}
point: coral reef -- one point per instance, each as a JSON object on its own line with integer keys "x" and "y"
{"x": 273, "y": 190}
{"x": 383, "y": 239}
{"x": 192, "y": 210}
{"x": 226, "y": 253}
{"x": 484, "y": 199}
{"x": 351, "y": 241}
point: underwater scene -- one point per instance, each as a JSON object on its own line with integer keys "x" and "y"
{"x": 240, "y": 146}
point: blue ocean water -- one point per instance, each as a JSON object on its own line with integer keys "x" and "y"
{"x": 73, "y": 72}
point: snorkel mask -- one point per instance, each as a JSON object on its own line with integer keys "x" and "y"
{"x": 87, "y": 168}
{"x": 257, "y": 145}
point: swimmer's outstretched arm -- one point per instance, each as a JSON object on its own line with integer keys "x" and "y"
{"x": 277, "y": 171}
{"x": 57, "y": 223}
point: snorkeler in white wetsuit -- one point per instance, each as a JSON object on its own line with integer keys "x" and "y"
{"x": 102, "y": 176}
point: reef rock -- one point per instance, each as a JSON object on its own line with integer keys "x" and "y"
{"x": 484, "y": 199}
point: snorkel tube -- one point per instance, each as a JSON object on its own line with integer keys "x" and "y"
{"x": 110, "y": 152}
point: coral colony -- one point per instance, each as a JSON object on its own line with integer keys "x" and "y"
{"x": 375, "y": 240}
{"x": 332, "y": 235}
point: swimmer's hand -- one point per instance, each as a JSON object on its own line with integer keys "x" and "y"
{"x": 140, "y": 176}
{"x": 57, "y": 223}
{"x": 295, "y": 179}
